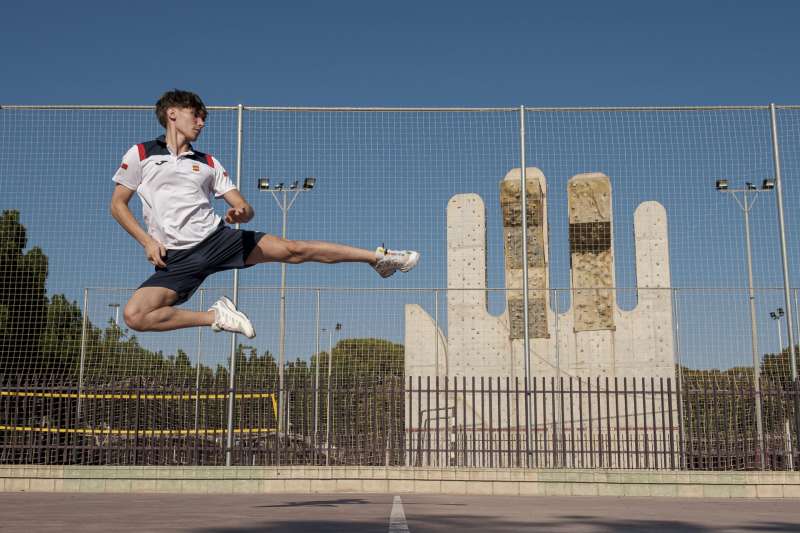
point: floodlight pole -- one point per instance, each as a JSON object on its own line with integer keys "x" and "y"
{"x": 282, "y": 326}
{"x": 776, "y": 315}
{"x": 328, "y": 403}
{"x": 115, "y": 306}
{"x": 747, "y": 204}
{"x": 284, "y": 204}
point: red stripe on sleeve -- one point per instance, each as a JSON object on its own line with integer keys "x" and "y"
{"x": 210, "y": 160}
{"x": 142, "y": 153}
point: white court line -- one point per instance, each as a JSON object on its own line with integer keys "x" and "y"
{"x": 397, "y": 520}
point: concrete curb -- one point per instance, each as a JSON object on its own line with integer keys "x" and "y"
{"x": 461, "y": 481}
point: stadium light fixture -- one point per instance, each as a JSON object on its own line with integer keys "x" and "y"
{"x": 309, "y": 183}
{"x": 722, "y": 185}
{"x": 768, "y": 184}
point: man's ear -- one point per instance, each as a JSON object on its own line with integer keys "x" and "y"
{"x": 172, "y": 114}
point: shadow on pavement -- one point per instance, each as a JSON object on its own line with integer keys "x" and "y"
{"x": 322, "y": 503}
{"x": 433, "y": 523}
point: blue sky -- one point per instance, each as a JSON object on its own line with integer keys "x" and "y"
{"x": 404, "y": 53}
{"x": 388, "y": 177}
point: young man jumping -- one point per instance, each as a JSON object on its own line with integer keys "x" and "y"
{"x": 186, "y": 240}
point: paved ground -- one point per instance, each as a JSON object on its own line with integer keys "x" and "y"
{"x": 120, "y": 513}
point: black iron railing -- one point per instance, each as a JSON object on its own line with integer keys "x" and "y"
{"x": 629, "y": 423}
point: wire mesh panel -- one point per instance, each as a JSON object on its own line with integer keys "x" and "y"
{"x": 788, "y": 124}
{"x": 638, "y": 224}
{"x": 383, "y": 177}
{"x": 57, "y": 235}
{"x": 674, "y": 157}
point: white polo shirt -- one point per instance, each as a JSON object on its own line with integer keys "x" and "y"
{"x": 175, "y": 191}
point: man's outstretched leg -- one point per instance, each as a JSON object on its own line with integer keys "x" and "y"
{"x": 275, "y": 249}
{"x": 151, "y": 309}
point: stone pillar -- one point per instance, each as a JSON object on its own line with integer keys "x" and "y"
{"x": 592, "y": 260}
{"x": 538, "y": 298}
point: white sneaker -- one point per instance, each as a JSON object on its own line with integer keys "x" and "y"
{"x": 228, "y": 318}
{"x": 390, "y": 261}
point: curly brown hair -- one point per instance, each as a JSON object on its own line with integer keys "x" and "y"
{"x": 181, "y": 99}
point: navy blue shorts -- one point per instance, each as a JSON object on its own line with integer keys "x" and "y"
{"x": 225, "y": 249}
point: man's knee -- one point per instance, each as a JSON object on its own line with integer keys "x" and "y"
{"x": 134, "y": 316}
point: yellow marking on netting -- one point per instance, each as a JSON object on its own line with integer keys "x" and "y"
{"x": 110, "y": 396}
{"x": 141, "y": 432}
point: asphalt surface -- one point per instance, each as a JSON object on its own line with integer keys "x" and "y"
{"x": 358, "y": 513}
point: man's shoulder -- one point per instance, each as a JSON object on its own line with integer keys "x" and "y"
{"x": 150, "y": 148}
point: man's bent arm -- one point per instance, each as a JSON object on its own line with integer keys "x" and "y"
{"x": 123, "y": 215}
{"x": 235, "y": 199}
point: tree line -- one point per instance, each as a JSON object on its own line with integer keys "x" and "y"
{"x": 41, "y": 338}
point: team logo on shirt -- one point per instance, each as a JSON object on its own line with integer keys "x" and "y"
{"x": 195, "y": 168}
{"x": 124, "y": 166}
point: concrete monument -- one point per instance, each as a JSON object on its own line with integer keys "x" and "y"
{"x": 592, "y": 339}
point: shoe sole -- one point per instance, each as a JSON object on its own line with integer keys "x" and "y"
{"x": 411, "y": 262}
{"x": 232, "y": 308}
{"x": 387, "y": 275}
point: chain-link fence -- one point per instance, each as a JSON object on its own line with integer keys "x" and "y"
{"x": 674, "y": 270}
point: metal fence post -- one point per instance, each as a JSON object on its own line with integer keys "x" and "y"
{"x": 524, "y": 205}
{"x": 785, "y": 261}
{"x": 232, "y": 366}
{"x": 797, "y": 314}
{"x": 197, "y": 371}
{"x": 679, "y": 383}
{"x": 557, "y": 414}
{"x": 436, "y": 330}
{"x": 82, "y": 365}
{"x": 328, "y": 405}
{"x": 316, "y": 384}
